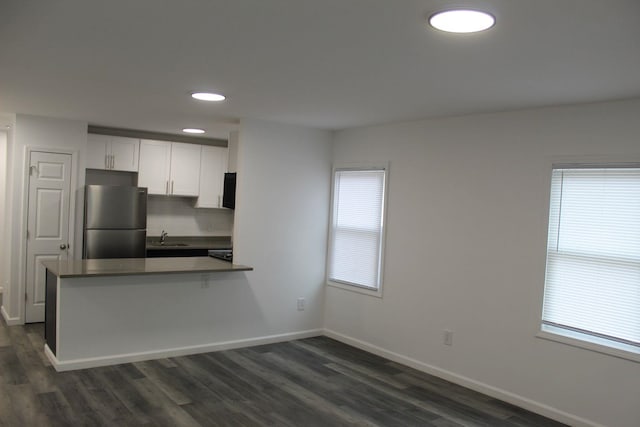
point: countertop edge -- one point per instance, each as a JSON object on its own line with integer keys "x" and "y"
{"x": 79, "y": 266}
{"x": 148, "y": 273}
{"x": 186, "y": 246}
{"x": 188, "y": 242}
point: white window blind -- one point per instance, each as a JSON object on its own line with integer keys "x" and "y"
{"x": 592, "y": 285}
{"x": 357, "y": 227}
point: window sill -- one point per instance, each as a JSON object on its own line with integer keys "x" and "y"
{"x": 357, "y": 289}
{"x": 587, "y": 342}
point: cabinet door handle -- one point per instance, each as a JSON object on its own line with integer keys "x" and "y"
{"x": 106, "y": 161}
{"x": 113, "y": 161}
{"x": 171, "y": 186}
{"x": 166, "y": 190}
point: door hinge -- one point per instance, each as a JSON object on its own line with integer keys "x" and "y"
{"x": 27, "y": 234}
{"x": 32, "y": 169}
{"x": 26, "y": 296}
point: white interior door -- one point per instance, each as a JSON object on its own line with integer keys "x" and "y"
{"x": 47, "y": 224}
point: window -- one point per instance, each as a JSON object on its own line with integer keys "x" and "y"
{"x": 592, "y": 285}
{"x": 357, "y": 224}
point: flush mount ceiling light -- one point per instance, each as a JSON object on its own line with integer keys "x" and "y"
{"x": 461, "y": 21}
{"x": 192, "y": 130}
{"x": 208, "y": 96}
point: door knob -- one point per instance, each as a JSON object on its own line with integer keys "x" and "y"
{"x": 63, "y": 246}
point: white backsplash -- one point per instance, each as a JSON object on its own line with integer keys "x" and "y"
{"x": 178, "y": 217}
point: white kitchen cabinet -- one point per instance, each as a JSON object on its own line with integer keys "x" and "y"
{"x": 97, "y": 151}
{"x": 213, "y": 165}
{"x": 169, "y": 168}
{"x": 185, "y": 169}
{"x": 112, "y": 153}
{"x": 155, "y": 166}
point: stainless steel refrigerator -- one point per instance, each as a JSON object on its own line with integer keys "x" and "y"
{"x": 115, "y": 221}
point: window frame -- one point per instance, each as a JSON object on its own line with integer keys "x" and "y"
{"x": 566, "y": 336}
{"x": 354, "y": 287}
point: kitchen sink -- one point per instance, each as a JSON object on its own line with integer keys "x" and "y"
{"x": 168, "y": 245}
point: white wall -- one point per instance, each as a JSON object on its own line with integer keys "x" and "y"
{"x": 178, "y": 217}
{"x": 6, "y": 252}
{"x": 40, "y": 132}
{"x": 281, "y": 220}
{"x": 466, "y": 238}
{"x": 232, "y": 145}
{"x": 3, "y": 205}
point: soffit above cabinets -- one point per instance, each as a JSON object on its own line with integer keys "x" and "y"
{"x": 143, "y": 134}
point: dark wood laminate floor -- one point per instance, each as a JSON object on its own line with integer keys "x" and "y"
{"x": 310, "y": 382}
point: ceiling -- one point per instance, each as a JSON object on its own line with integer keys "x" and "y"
{"x": 329, "y": 64}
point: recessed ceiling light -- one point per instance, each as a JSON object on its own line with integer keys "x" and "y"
{"x": 462, "y": 21}
{"x": 192, "y": 130}
{"x": 208, "y": 96}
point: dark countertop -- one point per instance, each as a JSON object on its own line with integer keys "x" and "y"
{"x": 138, "y": 266}
{"x": 189, "y": 242}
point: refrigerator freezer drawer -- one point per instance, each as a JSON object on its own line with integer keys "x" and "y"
{"x": 115, "y": 244}
{"x": 115, "y": 207}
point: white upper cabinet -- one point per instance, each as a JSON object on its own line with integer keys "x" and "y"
{"x": 185, "y": 169}
{"x": 112, "y": 153}
{"x": 97, "y": 151}
{"x": 213, "y": 165}
{"x": 155, "y": 166}
{"x": 169, "y": 168}
{"x": 124, "y": 154}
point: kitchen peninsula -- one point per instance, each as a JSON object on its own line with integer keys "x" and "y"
{"x": 100, "y": 311}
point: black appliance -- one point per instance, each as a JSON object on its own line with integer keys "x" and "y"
{"x": 229, "y": 193}
{"x": 223, "y": 254}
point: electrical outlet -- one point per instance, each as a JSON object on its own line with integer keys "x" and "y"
{"x": 300, "y": 304}
{"x": 448, "y": 337}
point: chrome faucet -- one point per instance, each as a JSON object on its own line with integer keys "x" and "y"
{"x": 163, "y": 236}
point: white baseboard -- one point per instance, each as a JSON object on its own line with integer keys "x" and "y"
{"x": 10, "y": 320}
{"x": 117, "y": 359}
{"x": 523, "y": 402}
